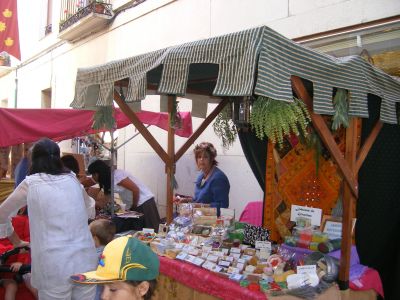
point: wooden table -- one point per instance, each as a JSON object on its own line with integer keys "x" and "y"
{"x": 181, "y": 280}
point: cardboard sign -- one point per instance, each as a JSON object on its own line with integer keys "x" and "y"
{"x": 314, "y": 214}
{"x": 333, "y": 229}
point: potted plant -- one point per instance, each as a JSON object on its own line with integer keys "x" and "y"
{"x": 4, "y": 59}
{"x": 99, "y": 6}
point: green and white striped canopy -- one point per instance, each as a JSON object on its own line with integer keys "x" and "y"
{"x": 255, "y": 61}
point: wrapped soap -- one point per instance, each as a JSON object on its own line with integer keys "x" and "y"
{"x": 319, "y": 237}
{"x": 313, "y": 246}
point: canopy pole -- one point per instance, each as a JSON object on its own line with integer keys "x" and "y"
{"x": 352, "y": 145}
{"x": 112, "y": 168}
{"x": 170, "y": 164}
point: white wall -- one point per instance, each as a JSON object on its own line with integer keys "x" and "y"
{"x": 154, "y": 24}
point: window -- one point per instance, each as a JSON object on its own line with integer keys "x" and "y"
{"x": 46, "y": 18}
{"x": 4, "y": 103}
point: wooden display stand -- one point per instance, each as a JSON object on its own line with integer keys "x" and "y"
{"x": 348, "y": 165}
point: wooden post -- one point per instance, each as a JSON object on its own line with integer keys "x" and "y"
{"x": 268, "y": 207}
{"x": 348, "y": 204}
{"x": 139, "y": 126}
{"x": 170, "y": 164}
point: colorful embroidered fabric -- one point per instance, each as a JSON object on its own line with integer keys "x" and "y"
{"x": 292, "y": 179}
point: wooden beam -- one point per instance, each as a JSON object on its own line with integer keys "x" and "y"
{"x": 348, "y": 204}
{"x": 201, "y": 128}
{"x": 142, "y": 129}
{"x": 170, "y": 165}
{"x": 326, "y": 136}
{"x": 368, "y": 145}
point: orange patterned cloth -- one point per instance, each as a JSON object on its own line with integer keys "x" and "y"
{"x": 301, "y": 185}
{"x": 293, "y": 180}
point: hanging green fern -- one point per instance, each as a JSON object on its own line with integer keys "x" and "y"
{"x": 341, "y": 116}
{"x": 276, "y": 119}
{"x": 224, "y": 127}
{"x": 104, "y": 118}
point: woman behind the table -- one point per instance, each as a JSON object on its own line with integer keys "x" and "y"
{"x": 211, "y": 186}
{"x": 61, "y": 243}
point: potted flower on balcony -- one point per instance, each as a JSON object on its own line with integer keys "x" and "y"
{"x": 4, "y": 59}
{"x": 99, "y": 6}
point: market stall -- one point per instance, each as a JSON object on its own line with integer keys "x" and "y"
{"x": 255, "y": 62}
{"x": 29, "y": 125}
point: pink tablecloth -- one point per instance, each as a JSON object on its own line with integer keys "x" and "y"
{"x": 205, "y": 281}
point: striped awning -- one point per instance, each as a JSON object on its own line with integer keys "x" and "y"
{"x": 256, "y": 61}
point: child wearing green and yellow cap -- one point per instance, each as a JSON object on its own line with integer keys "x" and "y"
{"x": 128, "y": 269}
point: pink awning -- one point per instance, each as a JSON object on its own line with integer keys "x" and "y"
{"x": 28, "y": 125}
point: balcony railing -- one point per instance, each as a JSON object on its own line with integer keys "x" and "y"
{"x": 72, "y": 12}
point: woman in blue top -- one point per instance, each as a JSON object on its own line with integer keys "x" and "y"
{"x": 212, "y": 185}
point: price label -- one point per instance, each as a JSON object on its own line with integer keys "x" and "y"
{"x": 263, "y": 245}
{"x": 307, "y": 269}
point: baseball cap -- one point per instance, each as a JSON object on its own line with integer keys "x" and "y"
{"x": 124, "y": 258}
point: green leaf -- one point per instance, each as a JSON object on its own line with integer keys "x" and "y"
{"x": 224, "y": 127}
{"x": 277, "y": 119}
{"x": 341, "y": 116}
{"x": 104, "y": 118}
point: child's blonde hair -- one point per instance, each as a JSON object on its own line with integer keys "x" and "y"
{"x": 104, "y": 230}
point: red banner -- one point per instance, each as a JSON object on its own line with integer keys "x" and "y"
{"x": 9, "y": 37}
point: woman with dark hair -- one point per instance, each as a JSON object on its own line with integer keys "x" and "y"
{"x": 211, "y": 186}
{"x": 61, "y": 243}
{"x": 134, "y": 194}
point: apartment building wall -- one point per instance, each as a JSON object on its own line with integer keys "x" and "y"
{"x": 50, "y": 64}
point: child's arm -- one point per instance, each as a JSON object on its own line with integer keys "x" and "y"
{"x": 16, "y": 241}
{"x": 15, "y": 266}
